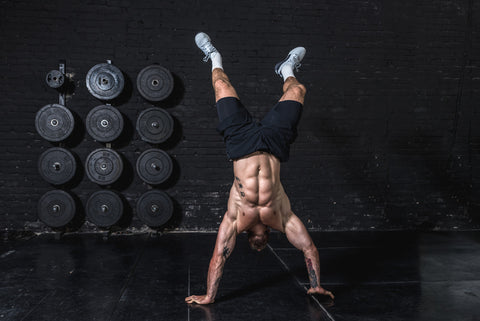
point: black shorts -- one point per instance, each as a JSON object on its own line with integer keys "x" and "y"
{"x": 243, "y": 135}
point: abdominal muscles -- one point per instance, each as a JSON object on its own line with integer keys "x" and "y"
{"x": 258, "y": 190}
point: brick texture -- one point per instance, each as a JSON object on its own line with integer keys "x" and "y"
{"x": 389, "y": 137}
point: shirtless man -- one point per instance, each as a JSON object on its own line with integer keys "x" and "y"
{"x": 257, "y": 199}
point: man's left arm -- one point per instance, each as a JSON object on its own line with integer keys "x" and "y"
{"x": 298, "y": 235}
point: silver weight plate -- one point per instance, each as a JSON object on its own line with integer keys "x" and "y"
{"x": 55, "y": 79}
{"x": 104, "y": 166}
{"x": 54, "y": 122}
{"x": 154, "y": 208}
{"x": 57, "y": 165}
{"x": 155, "y": 125}
{"x": 56, "y": 208}
{"x": 154, "y": 166}
{"x": 105, "y": 81}
{"x": 155, "y": 83}
{"x": 104, "y": 123}
{"x": 104, "y": 208}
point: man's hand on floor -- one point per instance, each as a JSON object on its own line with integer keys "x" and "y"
{"x": 199, "y": 299}
{"x": 320, "y": 290}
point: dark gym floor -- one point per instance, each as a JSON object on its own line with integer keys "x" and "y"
{"x": 375, "y": 276}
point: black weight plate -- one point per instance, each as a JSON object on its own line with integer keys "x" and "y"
{"x": 56, "y": 208}
{"x": 57, "y": 165}
{"x": 104, "y": 123}
{"x": 55, "y": 78}
{"x": 154, "y": 166}
{"x": 105, "y": 81}
{"x": 104, "y": 208}
{"x": 104, "y": 166}
{"x": 54, "y": 122}
{"x": 154, "y": 208}
{"x": 155, "y": 83}
{"x": 155, "y": 125}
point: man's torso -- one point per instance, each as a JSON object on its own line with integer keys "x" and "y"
{"x": 257, "y": 195}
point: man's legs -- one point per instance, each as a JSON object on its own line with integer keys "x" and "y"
{"x": 292, "y": 88}
{"x": 221, "y": 84}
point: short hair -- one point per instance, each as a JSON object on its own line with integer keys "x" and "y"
{"x": 258, "y": 242}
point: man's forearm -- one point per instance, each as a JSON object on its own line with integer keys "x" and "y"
{"x": 312, "y": 262}
{"x": 215, "y": 272}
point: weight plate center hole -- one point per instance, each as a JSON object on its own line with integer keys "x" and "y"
{"x": 104, "y": 123}
{"x": 56, "y": 166}
{"x": 155, "y": 82}
{"x": 54, "y": 122}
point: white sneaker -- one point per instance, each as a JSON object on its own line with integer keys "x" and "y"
{"x": 294, "y": 57}
{"x": 204, "y": 43}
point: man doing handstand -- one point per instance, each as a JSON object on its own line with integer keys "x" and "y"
{"x": 257, "y": 199}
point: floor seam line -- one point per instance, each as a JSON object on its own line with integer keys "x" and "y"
{"x": 285, "y": 266}
{"x": 129, "y": 278}
{"x": 38, "y": 304}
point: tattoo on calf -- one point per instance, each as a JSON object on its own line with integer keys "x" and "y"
{"x": 311, "y": 273}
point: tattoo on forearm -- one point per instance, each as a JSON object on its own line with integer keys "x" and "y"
{"x": 226, "y": 252}
{"x": 311, "y": 273}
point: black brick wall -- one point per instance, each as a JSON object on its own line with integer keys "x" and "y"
{"x": 389, "y": 137}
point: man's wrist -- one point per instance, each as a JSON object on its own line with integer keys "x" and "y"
{"x": 210, "y": 297}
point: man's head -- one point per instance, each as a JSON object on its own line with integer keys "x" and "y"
{"x": 258, "y": 237}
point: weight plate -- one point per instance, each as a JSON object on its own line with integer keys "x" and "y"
{"x": 154, "y": 166}
{"x": 57, "y": 165}
{"x": 105, "y": 81}
{"x": 104, "y": 166}
{"x": 154, "y": 208}
{"x": 54, "y": 122}
{"x": 155, "y": 83}
{"x": 104, "y": 208}
{"x": 56, "y": 208}
{"x": 155, "y": 125}
{"x": 104, "y": 123}
{"x": 55, "y": 78}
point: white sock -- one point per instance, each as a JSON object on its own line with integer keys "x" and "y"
{"x": 287, "y": 71}
{"x": 216, "y": 58}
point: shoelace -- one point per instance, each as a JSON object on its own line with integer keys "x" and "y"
{"x": 208, "y": 49}
{"x": 296, "y": 64}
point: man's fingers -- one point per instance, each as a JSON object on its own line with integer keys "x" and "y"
{"x": 321, "y": 292}
{"x": 330, "y": 294}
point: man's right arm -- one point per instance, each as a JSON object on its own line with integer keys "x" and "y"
{"x": 224, "y": 245}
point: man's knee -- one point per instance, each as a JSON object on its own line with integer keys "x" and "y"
{"x": 223, "y": 88}
{"x": 294, "y": 92}
{"x": 222, "y": 84}
{"x": 298, "y": 90}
